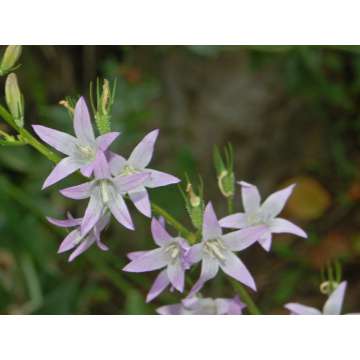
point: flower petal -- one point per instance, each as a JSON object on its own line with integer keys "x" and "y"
{"x": 299, "y": 309}
{"x": 84, "y": 245}
{"x": 62, "y": 169}
{"x": 174, "y": 309}
{"x": 141, "y": 201}
{"x": 64, "y": 223}
{"x": 116, "y": 163}
{"x": 159, "y": 285}
{"x": 273, "y": 205}
{"x": 105, "y": 140}
{"x": 152, "y": 260}
{"x": 135, "y": 254}
{"x": 235, "y": 268}
{"x": 235, "y": 221}
{"x": 82, "y": 124}
{"x": 250, "y": 197}
{"x": 100, "y": 226}
{"x": 280, "y": 225}
{"x": 335, "y": 301}
{"x": 87, "y": 169}
{"x": 78, "y": 192}
{"x": 229, "y": 306}
{"x": 159, "y": 178}
{"x": 101, "y": 166}
{"x": 265, "y": 241}
{"x": 176, "y": 275}
{"x": 119, "y": 209}
{"x": 143, "y": 152}
{"x": 159, "y": 233}
{"x": 70, "y": 241}
{"x": 211, "y": 227}
{"x": 92, "y": 213}
{"x": 63, "y": 142}
{"x": 194, "y": 255}
{"x": 129, "y": 182}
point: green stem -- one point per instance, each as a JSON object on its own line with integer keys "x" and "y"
{"x": 230, "y": 204}
{"x": 246, "y": 298}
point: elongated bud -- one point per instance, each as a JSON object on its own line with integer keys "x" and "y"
{"x": 225, "y": 171}
{"x": 14, "y": 99}
{"x": 10, "y": 57}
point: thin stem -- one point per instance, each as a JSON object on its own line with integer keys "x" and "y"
{"x": 230, "y": 204}
{"x": 246, "y": 298}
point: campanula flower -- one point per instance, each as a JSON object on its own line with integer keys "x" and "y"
{"x": 136, "y": 164}
{"x": 170, "y": 255}
{"x": 81, "y": 150}
{"x": 217, "y": 250}
{"x": 204, "y": 306}
{"x": 265, "y": 214}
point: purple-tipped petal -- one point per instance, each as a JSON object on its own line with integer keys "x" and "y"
{"x": 250, "y": 197}
{"x": 62, "y": 169}
{"x": 135, "y": 254}
{"x": 284, "y": 226}
{"x": 119, "y": 209}
{"x": 97, "y": 231}
{"x": 176, "y": 275}
{"x": 130, "y": 182}
{"x": 299, "y": 309}
{"x": 87, "y": 169}
{"x": 152, "y": 260}
{"x": 194, "y": 255}
{"x": 92, "y": 213}
{"x": 160, "y": 284}
{"x": 70, "y": 241}
{"x": 116, "y": 163}
{"x": 266, "y": 241}
{"x": 104, "y": 141}
{"x": 82, "y": 124}
{"x": 273, "y": 205}
{"x": 84, "y": 245}
{"x": 101, "y": 166}
{"x": 159, "y": 233}
{"x": 64, "y": 223}
{"x": 141, "y": 201}
{"x": 143, "y": 152}
{"x": 59, "y": 140}
{"x": 235, "y": 268}
{"x": 234, "y": 221}
{"x": 158, "y": 178}
{"x": 335, "y": 301}
{"x": 211, "y": 227}
{"x": 78, "y": 192}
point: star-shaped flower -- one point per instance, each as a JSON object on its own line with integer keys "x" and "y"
{"x": 80, "y": 150}
{"x": 170, "y": 255}
{"x": 333, "y": 304}
{"x": 204, "y": 306}
{"x": 217, "y": 250}
{"x": 136, "y": 164}
{"x": 265, "y": 214}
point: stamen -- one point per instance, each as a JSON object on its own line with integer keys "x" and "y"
{"x": 104, "y": 191}
{"x": 214, "y": 247}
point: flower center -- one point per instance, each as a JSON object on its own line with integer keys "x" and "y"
{"x": 174, "y": 251}
{"x": 128, "y": 170}
{"x": 104, "y": 191}
{"x": 257, "y": 218}
{"x": 215, "y": 248}
{"x": 87, "y": 152}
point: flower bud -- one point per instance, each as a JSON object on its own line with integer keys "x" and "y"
{"x": 14, "y": 99}
{"x": 10, "y": 57}
{"x": 327, "y": 287}
{"x": 226, "y": 183}
{"x": 194, "y": 204}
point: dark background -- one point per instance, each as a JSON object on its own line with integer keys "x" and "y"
{"x": 292, "y": 115}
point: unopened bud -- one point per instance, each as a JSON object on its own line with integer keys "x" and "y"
{"x": 105, "y": 97}
{"x": 10, "y": 57}
{"x": 327, "y": 287}
{"x": 66, "y": 105}
{"x": 14, "y": 99}
{"x": 194, "y": 200}
{"x": 226, "y": 183}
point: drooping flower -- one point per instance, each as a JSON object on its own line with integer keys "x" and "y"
{"x": 333, "y": 304}
{"x": 136, "y": 164}
{"x": 74, "y": 240}
{"x": 217, "y": 250}
{"x": 170, "y": 255}
{"x": 265, "y": 214}
{"x": 105, "y": 192}
{"x": 204, "y": 306}
{"x": 80, "y": 150}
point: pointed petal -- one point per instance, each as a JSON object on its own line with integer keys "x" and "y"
{"x": 70, "y": 241}
{"x": 141, "y": 201}
{"x": 242, "y": 239}
{"x": 84, "y": 245}
{"x": 250, "y": 197}
{"x": 119, "y": 209}
{"x": 234, "y": 221}
{"x": 105, "y": 140}
{"x": 159, "y": 233}
{"x": 174, "y": 309}
{"x": 280, "y": 225}
{"x": 159, "y": 285}
{"x": 82, "y": 124}
{"x": 265, "y": 241}
{"x": 152, "y": 260}
{"x": 92, "y": 213}
{"x": 130, "y": 182}
{"x": 135, "y": 254}
{"x": 78, "y": 192}
{"x": 299, "y": 309}
{"x": 97, "y": 232}
{"x": 59, "y": 140}
{"x": 229, "y": 306}
{"x": 211, "y": 227}
{"x": 235, "y": 268}
{"x": 64, "y": 223}
{"x": 101, "y": 166}
{"x": 194, "y": 255}
{"x": 87, "y": 169}
{"x": 335, "y": 301}
{"x": 116, "y": 163}
{"x": 176, "y": 275}
{"x": 143, "y": 152}
{"x": 62, "y": 169}
{"x": 273, "y": 205}
{"x": 159, "y": 178}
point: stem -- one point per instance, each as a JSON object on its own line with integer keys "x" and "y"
{"x": 246, "y": 298}
{"x": 230, "y": 204}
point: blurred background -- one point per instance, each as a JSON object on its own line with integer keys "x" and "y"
{"x": 292, "y": 114}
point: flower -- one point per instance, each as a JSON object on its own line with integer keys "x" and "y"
{"x": 170, "y": 255}
{"x": 204, "y": 306}
{"x": 332, "y": 306}
{"x": 136, "y": 164}
{"x": 217, "y": 250}
{"x": 105, "y": 192}
{"x": 81, "y": 150}
{"x": 81, "y": 242}
{"x": 265, "y": 214}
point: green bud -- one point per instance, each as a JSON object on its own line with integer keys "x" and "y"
{"x": 225, "y": 171}
{"x": 226, "y": 183}
{"x": 14, "y": 99}
{"x": 10, "y": 57}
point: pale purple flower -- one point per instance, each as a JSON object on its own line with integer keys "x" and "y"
{"x": 265, "y": 214}
{"x": 170, "y": 255}
{"x": 80, "y": 150}
{"x": 105, "y": 192}
{"x": 217, "y": 250}
{"x": 74, "y": 240}
{"x": 204, "y": 306}
{"x": 332, "y": 306}
{"x": 136, "y": 164}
